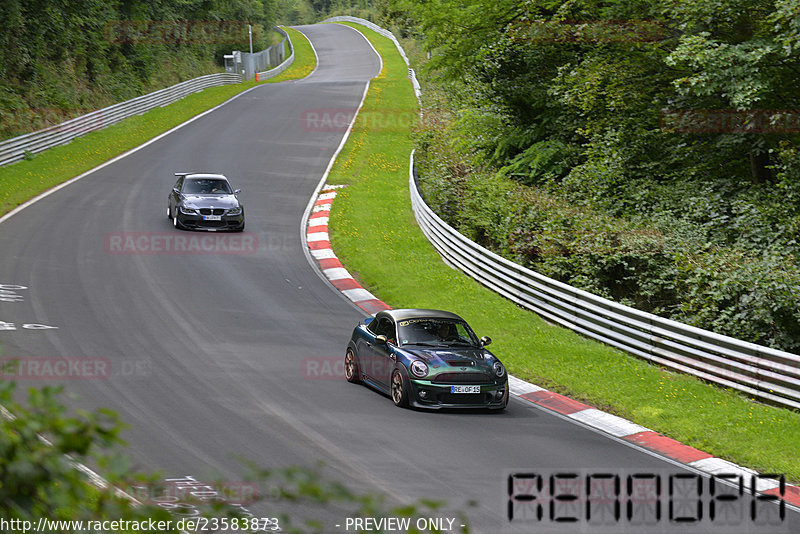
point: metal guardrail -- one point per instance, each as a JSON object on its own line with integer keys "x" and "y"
{"x": 389, "y": 35}
{"x": 15, "y": 149}
{"x": 265, "y": 75}
{"x": 766, "y": 374}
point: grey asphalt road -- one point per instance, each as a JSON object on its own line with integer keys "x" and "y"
{"x": 220, "y": 356}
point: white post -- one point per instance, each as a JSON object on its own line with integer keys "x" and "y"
{"x": 250, "y": 33}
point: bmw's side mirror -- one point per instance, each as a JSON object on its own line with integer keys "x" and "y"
{"x": 237, "y": 191}
{"x": 176, "y": 190}
{"x": 381, "y": 340}
{"x": 486, "y": 340}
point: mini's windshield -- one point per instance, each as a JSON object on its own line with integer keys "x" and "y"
{"x": 435, "y": 332}
{"x": 206, "y": 186}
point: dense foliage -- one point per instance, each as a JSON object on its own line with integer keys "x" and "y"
{"x": 643, "y": 150}
{"x": 61, "y": 58}
{"x": 42, "y": 445}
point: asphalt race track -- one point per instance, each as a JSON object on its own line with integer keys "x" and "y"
{"x": 219, "y": 356}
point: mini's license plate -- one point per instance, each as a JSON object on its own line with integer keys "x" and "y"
{"x": 212, "y": 217}
{"x": 465, "y": 389}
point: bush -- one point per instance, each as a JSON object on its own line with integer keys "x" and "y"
{"x": 665, "y": 268}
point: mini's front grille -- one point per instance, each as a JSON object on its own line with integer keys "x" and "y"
{"x": 462, "y": 378}
{"x": 463, "y": 398}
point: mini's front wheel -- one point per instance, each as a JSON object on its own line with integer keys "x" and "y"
{"x": 399, "y": 390}
{"x": 351, "y": 367}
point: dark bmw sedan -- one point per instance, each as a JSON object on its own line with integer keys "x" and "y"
{"x": 200, "y": 201}
{"x": 426, "y": 359}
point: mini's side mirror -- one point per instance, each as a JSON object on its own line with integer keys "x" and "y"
{"x": 381, "y": 340}
{"x": 236, "y": 192}
{"x": 486, "y": 340}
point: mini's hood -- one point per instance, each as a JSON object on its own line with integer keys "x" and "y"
{"x": 451, "y": 356}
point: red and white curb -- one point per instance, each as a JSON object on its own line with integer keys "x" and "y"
{"x": 319, "y": 245}
{"x": 645, "y": 438}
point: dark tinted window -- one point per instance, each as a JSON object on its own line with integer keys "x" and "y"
{"x": 206, "y": 186}
{"x": 436, "y": 331}
{"x": 386, "y": 328}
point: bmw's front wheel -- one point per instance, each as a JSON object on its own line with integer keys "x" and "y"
{"x": 351, "y": 367}
{"x": 399, "y": 390}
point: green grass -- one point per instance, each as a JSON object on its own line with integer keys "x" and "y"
{"x": 375, "y": 234}
{"x": 26, "y": 179}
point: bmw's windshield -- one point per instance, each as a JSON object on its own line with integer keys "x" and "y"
{"x": 435, "y": 332}
{"x": 206, "y": 186}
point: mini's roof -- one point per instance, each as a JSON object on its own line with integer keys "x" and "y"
{"x": 201, "y": 175}
{"x": 417, "y": 313}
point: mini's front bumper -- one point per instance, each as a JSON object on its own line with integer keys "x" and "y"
{"x": 428, "y": 395}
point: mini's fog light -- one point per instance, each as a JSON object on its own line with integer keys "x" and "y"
{"x": 499, "y": 394}
{"x": 423, "y": 394}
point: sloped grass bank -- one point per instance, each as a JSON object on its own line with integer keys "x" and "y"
{"x": 376, "y": 236}
{"x": 23, "y": 180}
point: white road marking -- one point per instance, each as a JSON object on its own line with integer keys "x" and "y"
{"x": 521, "y": 387}
{"x": 616, "y": 426}
{"x": 324, "y": 254}
{"x": 317, "y": 236}
{"x": 336, "y": 273}
{"x": 358, "y": 294}
{"x": 718, "y": 466}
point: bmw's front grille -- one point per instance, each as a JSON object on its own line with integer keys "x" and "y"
{"x": 209, "y": 211}
{"x": 462, "y": 378}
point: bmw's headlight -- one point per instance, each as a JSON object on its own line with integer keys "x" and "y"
{"x": 234, "y": 211}
{"x": 188, "y": 211}
{"x": 499, "y": 370}
{"x": 418, "y": 368}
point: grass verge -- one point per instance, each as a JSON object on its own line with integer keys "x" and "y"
{"x": 376, "y": 236}
{"x": 25, "y": 179}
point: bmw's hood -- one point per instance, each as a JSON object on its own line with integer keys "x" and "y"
{"x": 455, "y": 357}
{"x": 210, "y": 201}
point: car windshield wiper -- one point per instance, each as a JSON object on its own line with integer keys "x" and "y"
{"x": 421, "y": 344}
{"x": 461, "y": 343}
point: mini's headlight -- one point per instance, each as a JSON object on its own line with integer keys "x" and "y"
{"x": 234, "y": 211}
{"x": 418, "y": 368}
{"x": 499, "y": 370}
{"x": 188, "y": 211}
